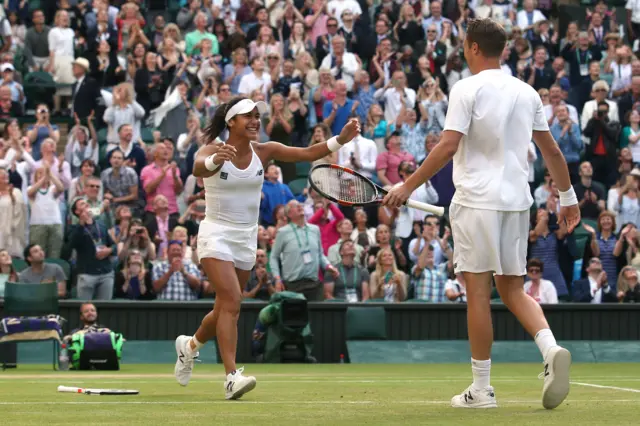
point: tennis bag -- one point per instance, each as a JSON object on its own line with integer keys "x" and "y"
{"x": 95, "y": 350}
{"x": 288, "y": 334}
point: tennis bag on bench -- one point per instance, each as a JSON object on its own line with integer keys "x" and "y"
{"x": 96, "y": 350}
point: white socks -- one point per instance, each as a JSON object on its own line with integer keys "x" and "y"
{"x": 197, "y": 344}
{"x": 545, "y": 341}
{"x": 481, "y": 373}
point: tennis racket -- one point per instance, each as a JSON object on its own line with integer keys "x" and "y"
{"x": 349, "y": 188}
{"x": 69, "y": 389}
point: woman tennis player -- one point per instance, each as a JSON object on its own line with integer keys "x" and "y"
{"x": 233, "y": 174}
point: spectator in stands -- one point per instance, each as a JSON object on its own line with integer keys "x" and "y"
{"x": 387, "y": 281}
{"x": 106, "y": 68}
{"x": 579, "y": 55}
{"x": 93, "y": 246}
{"x": 123, "y": 111}
{"x": 362, "y": 235}
{"x": 149, "y": 84}
{"x": 327, "y": 216}
{"x": 36, "y": 43}
{"x": 599, "y": 92}
{"x": 85, "y": 91}
{"x": 407, "y": 216}
{"x": 387, "y": 162}
{"x": 134, "y": 156}
{"x": 13, "y": 215}
{"x": 336, "y": 112}
{"x": 45, "y": 221}
{"x": 162, "y": 178}
{"x": 539, "y": 74}
{"x": 383, "y": 241}
{"x": 134, "y": 280}
{"x": 456, "y": 290}
{"x": 567, "y": 134}
{"x": 176, "y": 278}
{"x": 17, "y": 91}
{"x": 546, "y": 240}
{"x": 428, "y": 279}
{"x": 136, "y": 238}
{"x": 626, "y": 206}
{"x": 261, "y": 284}
{"x": 120, "y": 182}
{"x": 82, "y": 145}
{"x": 541, "y": 290}
{"x": 257, "y": 79}
{"x": 620, "y": 66}
{"x": 160, "y": 224}
{"x": 298, "y": 247}
{"x": 595, "y": 287}
{"x": 61, "y": 55}
{"x": 194, "y": 38}
{"x": 590, "y": 193}
{"x": 40, "y": 271}
{"x": 343, "y": 64}
{"x": 8, "y": 107}
{"x": 627, "y": 286}
{"x": 605, "y": 245}
{"x": 274, "y": 194}
{"x": 395, "y": 95}
{"x": 430, "y": 236}
{"x": 630, "y": 100}
{"x": 98, "y": 206}
{"x": 555, "y": 99}
{"x": 352, "y": 284}
{"x": 7, "y": 271}
{"x": 345, "y": 228}
{"x": 359, "y": 155}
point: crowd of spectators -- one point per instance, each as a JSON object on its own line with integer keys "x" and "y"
{"x": 97, "y": 171}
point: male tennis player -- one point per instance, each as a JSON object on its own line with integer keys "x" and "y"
{"x": 490, "y": 122}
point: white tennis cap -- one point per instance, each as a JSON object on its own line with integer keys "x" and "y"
{"x": 245, "y": 106}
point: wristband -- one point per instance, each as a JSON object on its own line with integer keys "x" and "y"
{"x": 568, "y": 197}
{"x": 209, "y": 164}
{"x": 333, "y": 144}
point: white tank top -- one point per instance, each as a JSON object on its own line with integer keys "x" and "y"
{"x": 233, "y": 195}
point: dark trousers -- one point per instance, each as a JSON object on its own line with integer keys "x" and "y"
{"x": 312, "y": 289}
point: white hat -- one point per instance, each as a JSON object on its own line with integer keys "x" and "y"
{"x": 82, "y": 62}
{"x": 6, "y": 67}
{"x": 245, "y": 106}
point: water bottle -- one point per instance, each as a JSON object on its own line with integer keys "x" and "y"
{"x": 341, "y": 358}
{"x": 63, "y": 359}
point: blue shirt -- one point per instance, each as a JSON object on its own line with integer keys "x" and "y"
{"x": 570, "y": 143}
{"x": 342, "y": 115}
{"x": 43, "y": 133}
{"x": 275, "y": 194}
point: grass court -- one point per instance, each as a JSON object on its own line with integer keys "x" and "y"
{"x": 343, "y": 394}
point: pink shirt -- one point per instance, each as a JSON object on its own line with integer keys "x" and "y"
{"x": 149, "y": 174}
{"x": 390, "y": 162}
{"x": 329, "y": 234}
{"x": 319, "y": 27}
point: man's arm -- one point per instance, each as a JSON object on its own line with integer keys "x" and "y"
{"x": 553, "y": 158}
{"x": 133, "y": 195}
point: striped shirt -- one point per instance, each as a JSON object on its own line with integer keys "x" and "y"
{"x": 609, "y": 263}
{"x": 177, "y": 287}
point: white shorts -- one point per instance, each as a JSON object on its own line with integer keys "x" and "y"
{"x": 489, "y": 240}
{"x": 226, "y": 242}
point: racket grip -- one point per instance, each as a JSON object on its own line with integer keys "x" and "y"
{"x": 438, "y": 211}
{"x": 70, "y": 389}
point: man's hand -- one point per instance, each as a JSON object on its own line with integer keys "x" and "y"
{"x": 571, "y": 215}
{"x": 350, "y": 131}
{"x": 176, "y": 265}
{"x": 103, "y": 252}
{"x": 397, "y": 196}
{"x": 333, "y": 270}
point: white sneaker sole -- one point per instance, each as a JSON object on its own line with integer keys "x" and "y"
{"x": 488, "y": 404}
{"x": 248, "y": 387}
{"x": 178, "y": 363}
{"x": 558, "y": 388}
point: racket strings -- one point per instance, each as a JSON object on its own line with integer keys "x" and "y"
{"x": 344, "y": 186}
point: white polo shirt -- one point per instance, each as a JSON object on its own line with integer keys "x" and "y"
{"x": 497, "y": 115}
{"x": 634, "y": 7}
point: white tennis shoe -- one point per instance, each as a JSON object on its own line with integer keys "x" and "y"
{"x": 186, "y": 359}
{"x": 237, "y": 385}
{"x": 473, "y": 398}
{"x": 556, "y": 377}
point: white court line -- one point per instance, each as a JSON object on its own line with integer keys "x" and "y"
{"x": 591, "y": 385}
{"x": 419, "y": 402}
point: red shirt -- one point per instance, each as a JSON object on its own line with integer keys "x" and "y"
{"x": 390, "y": 162}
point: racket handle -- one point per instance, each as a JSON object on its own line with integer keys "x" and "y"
{"x": 438, "y": 211}
{"x": 70, "y": 389}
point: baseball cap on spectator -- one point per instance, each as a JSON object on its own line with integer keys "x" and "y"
{"x": 565, "y": 85}
{"x": 6, "y": 67}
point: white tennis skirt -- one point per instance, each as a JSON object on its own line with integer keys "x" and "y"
{"x": 229, "y": 243}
